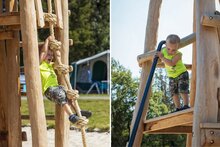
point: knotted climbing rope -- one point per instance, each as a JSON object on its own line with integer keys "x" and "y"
{"x": 62, "y": 69}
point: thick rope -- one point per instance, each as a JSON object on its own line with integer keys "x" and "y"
{"x": 55, "y": 46}
{"x": 52, "y": 18}
{"x": 62, "y": 68}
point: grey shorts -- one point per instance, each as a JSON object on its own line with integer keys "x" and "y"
{"x": 179, "y": 84}
{"x": 56, "y": 94}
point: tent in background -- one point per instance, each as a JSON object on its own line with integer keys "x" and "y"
{"x": 92, "y": 74}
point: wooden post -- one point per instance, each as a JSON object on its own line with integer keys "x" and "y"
{"x": 207, "y": 71}
{"x": 150, "y": 44}
{"x": 32, "y": 73}
{"x": 58, "y": 11}
{"x": 62, "y": 121}
{"x": 3, "y": 93}
{"x": 3, "y": 89}
{"x": 193, "y": 77}
{"x": 13, "y": 93}
{"x": 40, "y": 14}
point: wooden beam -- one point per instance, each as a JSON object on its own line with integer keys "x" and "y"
{"x": 41, "y": 43}
{"x": 48, "y": 117}
{"x": 13, "y": 73}
{"x": 149, "y": 55}
{"x": 218, "y": 31}
{"x": 5, "y": 35}
{"x": 211, "y": 137}
{"x": 210, "y": 20}
{"x": 171, "y": 120}
{"x": 40, "y": 14}
{"x": 150, "y": 43}
{"x": 58, "y": 10}
{"x": 11, "y": 21}
{"x": 210, "y": 125}
{"x": 18, "y": 27}
{"x": 10, "y": 18}
{"x": 172, "y": 130}
{"x": 208, "y": 63}
{"x": 3, "y": 90}
{"x": 32, "y": 73}
{"x": 62, "y": 122}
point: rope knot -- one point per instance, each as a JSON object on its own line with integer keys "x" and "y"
{"x": 51, "y": 18}
{"x": 81, "y": 122}
{"x": 62, "y": 68}
{"x": 55, "y": 45}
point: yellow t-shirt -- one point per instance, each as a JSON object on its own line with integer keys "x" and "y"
{"x": 173, "y": 71}
{"x": 48, "y": 76}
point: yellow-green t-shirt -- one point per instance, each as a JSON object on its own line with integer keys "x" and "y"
{"x": 48, "y": 76}
{"x": 173, "y": 71}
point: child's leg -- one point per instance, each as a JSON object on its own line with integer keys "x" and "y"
{"x": 67, "y": 109}
{"x": 184, "y": 88}
{"x": 185, "y": 98}
{"x": 173, "y": 85}
{"x": 176, "y": 101}
{"x": 58, "y": 95}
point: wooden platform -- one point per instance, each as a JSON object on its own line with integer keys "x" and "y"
{"x": 174, "y": 123}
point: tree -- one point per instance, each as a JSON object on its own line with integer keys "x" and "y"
{"x": 89, "y": 27}
{"x": 123, "y": 97}
{"x": 124, "y": 91}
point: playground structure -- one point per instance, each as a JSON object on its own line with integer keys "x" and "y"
{"x": 201, "y": 122}
{"x": 25, "y": 23}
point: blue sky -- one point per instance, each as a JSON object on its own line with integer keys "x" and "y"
{"x": 128, "y": 23}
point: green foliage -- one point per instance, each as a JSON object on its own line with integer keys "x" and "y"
{"x": 100, "y": 109}
{"x": 164, "y": 140}
{"x": 161, "y": 84}
{"x": 88, "y": 27}
{"x": 156, "y": 106}
{"x": 124, "y": 90}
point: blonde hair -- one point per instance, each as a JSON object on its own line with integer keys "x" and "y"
{"x": 173, "y": 39}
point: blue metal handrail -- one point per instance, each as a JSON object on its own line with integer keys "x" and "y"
{"x": 141, "y": 108}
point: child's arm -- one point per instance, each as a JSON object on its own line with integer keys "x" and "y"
{"x": 168, "y": 62}
{"x": 44, "y": 49}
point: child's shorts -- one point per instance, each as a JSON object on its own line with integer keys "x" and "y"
{"x": 179, "y": 84}
{"x": 56, "y": 94}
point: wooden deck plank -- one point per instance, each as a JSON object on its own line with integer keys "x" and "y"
{"x": 11, "y": 18}
{"x": 182, "y": 118}
{"x": 173, "y": 130}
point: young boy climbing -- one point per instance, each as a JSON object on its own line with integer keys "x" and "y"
{"x": 176, "y": 71}
{"x": 52, "y": 90}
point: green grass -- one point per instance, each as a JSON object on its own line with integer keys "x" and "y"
{"x": 100, "y": 109}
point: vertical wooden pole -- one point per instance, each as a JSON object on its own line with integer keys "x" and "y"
{"x": 3, "y": 88}
{"x": 32, "y": 73}
{"x": 3, "y": 93}
{"x": 62, "y": 121}
{"x": 208, "y": 69}
{"x": 13, "y": 55}
{"x": 193, "y": 77}
{"x": 58, "y": 11}
{"x": 150, "y": 44}
{"x": 40, "y": 14}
